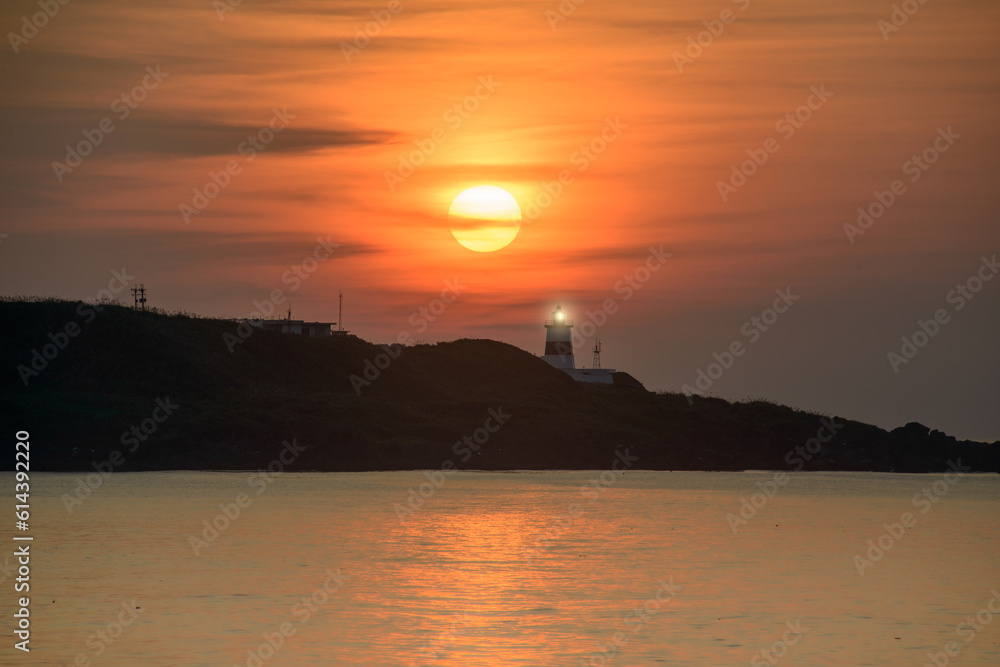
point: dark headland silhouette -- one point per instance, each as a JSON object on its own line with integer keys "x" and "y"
{"x": 151, "y": 391}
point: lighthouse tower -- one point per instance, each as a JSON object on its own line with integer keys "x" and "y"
{"x": 559, "y": 351}
{"x": 559, "y": 341}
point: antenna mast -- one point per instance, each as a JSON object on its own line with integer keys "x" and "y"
{"x": 597, "y": 353}
{"x": 139, "y": 297}
{"x": 340, "y": 314}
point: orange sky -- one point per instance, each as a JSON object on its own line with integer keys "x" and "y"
{"x": 554, "y": 90}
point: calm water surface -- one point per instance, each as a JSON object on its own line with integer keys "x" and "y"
{"x": 641, "y": 568}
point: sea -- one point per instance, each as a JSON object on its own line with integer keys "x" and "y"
{"x": 604, "y": 568}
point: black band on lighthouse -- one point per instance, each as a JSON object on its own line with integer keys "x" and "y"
{"x": 558, "y": 347}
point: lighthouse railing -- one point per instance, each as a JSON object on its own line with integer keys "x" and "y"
{"x": 558, "y": 323}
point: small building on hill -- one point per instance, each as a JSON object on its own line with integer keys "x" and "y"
{"x": 287, "y": 325}
{"x": 301, "y": 327}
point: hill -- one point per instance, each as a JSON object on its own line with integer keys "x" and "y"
{"x": 165, "y": 392}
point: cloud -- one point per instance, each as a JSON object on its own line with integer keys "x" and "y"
{"x": 189, "y": 248}
{"x": 44, "y": 132}
{"x": 241, "y": 248}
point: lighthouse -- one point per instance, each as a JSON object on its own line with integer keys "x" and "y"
{"x": 559, "y": 351}
{"x": 559, "y": 341}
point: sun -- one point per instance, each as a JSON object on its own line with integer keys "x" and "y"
{"x": 484, "y": 218}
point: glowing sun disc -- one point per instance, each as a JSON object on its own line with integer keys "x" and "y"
{"x": 484, "y": 218}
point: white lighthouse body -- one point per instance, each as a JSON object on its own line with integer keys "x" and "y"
{"x": 559, "y": 351}
{"x": 559, "y": 341}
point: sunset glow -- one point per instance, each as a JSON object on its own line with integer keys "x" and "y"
{"x": 242, "y": 134}
{"x": 476, "y": 333}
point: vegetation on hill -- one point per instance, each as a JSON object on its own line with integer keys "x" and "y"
{"x": 405, "y": 408}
